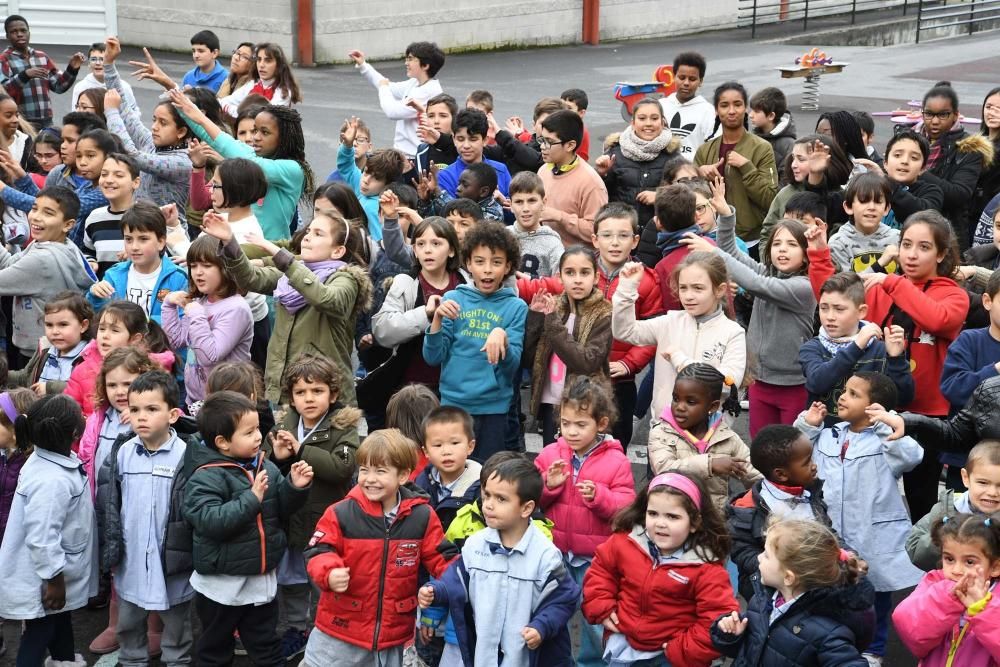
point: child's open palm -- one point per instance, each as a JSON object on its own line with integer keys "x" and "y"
{"x": 284, "y": 445}
{"x": 496, "y": 346}
{"x": 557, "y": 474}
{"x": 256, "y": 239}
{"x": 718, "y": 200}
{"x": 215, "y": 225}
{"x": 816, "y": 414}
{"x": 260, "y": 485}
{"x": 150, "y": 70}
{"x": 819, "y": 157}
{"x": 350, "y": 132}
{"x": 301, "y": 474}
{"x": 514, "y": 125}
{"x": 877, "y": 413}
{"x": 733, "y": 624}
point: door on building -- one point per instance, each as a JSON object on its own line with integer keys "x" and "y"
{"x": 72, "y": 22}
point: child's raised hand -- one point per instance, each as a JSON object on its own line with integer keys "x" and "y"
{"x": 867, "y": 332}
{"x": 604, "y": 164}
{"x": 425, "y": 597}
{"x": 215, "y": 225}
{"x": 877, "y": 413}
{"x": 259, "y": 487}
{"x": 184, "y": 104}
{"x": 408, "y": 218}
{"x": 255, "y": 239}
{"x": 102, "y": 289}
{"x": 895, "y": 340}
{"x": 816, "y": 414}
{"x": 112, "y": 99}
{"x": 77, "y": 60}
{"x": 283, "y": 444}
{"x": 733, "y": 624}
{"x": 112, "y": 49}
{"x": 448, "y": 309}
{"x": 718, "y": 200}
{"x": 540, "y": 302}
{"x": 495, "y": 346}
{"x": 339, "y": 579}
{"x": 149, "y": 69}
{"x": 697, "y": 243}
{"x": 301, "y": 474}
{"x": 532, "y": 638}
{"x": 514, "y": 125}
{"x": 611, "y": 622}
{"x": 11, "y": 166}
{"x": 350, "y": 132}
{"x": 816, "y": 236}
{"x": 870, "y": 166}
{"x": 975, "y": 586}
{"x": 432, "y": 305}
{"x": 819, "y": 157}
{"x": 631, "y": 271}
{"x": 587, "y": 490}
{"x": 557, "y": 474}
{"x": 180, "y": 298}
{"x": 357, "y": 56}
{"x": 54, "y": 593}
{"x": 389, "y": 204}
{"x": 426, "y": 133}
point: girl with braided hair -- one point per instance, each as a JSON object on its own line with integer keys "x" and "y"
{"x": 279, "y": 149}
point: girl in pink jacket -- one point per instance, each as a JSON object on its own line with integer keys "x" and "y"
{"x": 953, "y": 616}
{"x": 588, "y": 479}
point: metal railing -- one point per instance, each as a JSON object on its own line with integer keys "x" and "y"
{"x": 937, "y": 14}
{"x": 756, "y": 13}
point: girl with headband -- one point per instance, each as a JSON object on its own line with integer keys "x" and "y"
{"x": 659, "y": 582}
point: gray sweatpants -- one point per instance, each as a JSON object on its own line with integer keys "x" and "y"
{"x": 176, "y": 641}
{"x": 326, "y": 651}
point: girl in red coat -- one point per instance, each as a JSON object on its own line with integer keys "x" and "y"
{"x": 659, "y": 583}
{"x": 587, "y": 479}
{"x": 931, "y": 308}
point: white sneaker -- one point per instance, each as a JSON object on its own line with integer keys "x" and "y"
{"x": 873, "y": 660}
{"x": 77, "y": 661}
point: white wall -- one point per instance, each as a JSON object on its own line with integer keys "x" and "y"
{"x": 383, "y": 28}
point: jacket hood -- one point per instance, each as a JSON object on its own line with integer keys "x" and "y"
{"x": 341, "y": 417}
{"x": 688, "y": 557}
{"x": 69, "y": 262}
{"x": 977, "y": 143}
{"x": 365, "y": 290}
{"x": 785, "y": 127}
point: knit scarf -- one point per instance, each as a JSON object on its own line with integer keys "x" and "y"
{"x": 835, "y": 345}
{"x": 291, "y": 298}
{"x": 642, "y": 150}
{"x": 701, "y": 444}
{"x": 668, "y": 241}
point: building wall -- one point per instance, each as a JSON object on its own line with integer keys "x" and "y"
{"x": 383, "y": 28}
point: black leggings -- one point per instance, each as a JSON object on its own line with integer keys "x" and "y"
{"x": 53, "y": 633}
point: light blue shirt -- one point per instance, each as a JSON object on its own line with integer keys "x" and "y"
{"x": 147, "y": 479}
{"x": 58, "y": 366}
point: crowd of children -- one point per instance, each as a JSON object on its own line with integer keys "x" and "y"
{"x": 294, "y": 409}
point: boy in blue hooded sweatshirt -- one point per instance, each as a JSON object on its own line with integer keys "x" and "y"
{"x": 382, "y": 167}
{"x": 482, "y": 319}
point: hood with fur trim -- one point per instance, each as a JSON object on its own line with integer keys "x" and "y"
{"x": 977, "y": 143}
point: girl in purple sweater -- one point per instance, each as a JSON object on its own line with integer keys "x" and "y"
{"x": 217, "y": 325}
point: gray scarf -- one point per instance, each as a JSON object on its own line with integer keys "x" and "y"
{"x": 641, "y": 150}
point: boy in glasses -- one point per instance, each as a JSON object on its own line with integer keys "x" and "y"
{"x": 94, "y": 79}
{"x": 575, "y": 191}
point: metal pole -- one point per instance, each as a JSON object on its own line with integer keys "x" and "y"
{"x": 854, "y": 6}
{"x": 972, "y": 16}
{"x": 920, "y": 14}
{"x": 753, "y": 24}
{"x": 805, "y": 17}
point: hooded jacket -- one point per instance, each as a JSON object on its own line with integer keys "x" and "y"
{"x": 930, "y": 618}
{"x": 750, "y": 188}
{"x": 83, "y": 379}
{"x": 855, "y": 251}
{"x": 956, "y": 172}
{"x": 669, "y": 451}
{"x": 584, "y": 351}
{"x": 656, "y": 603}
{"x": 467, "y": 379}
{"x": 172, "y": 278}
{"x": 582, "y": 525}
{"x": 825, "y": 626}
{"x": 36, "y": 275}
{"x": 233, "y": 532}
{"x": 377, "y": 610}
{"x": 324, "y": 327}
{"x": 781, "y": 137}
{"x": 330, "y": 450}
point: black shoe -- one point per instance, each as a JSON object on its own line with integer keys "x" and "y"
{"x": 103, "y": 597}
{"x": 293, "y": 643}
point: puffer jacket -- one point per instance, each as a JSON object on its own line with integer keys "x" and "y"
{"x": 963, "y": 158}
{"x": 176, "y": 554}
{"x": 584, "y": 351}
{"x": 330, "y": 450}
{"x": 919, "y": 546}
{"x": 581, "y": 525}
{"x": 672, "y": 603}
{"x": 988, "y": 185}
{"x": 978, "y": 420}
{"x": 669, "y": 451}
{"x": 378, "y": 608}
{"x": 11, "y": 463}
{"x": 825, "y": 626}
{"x": 233, "y": 532}
{"x": 628, "y": 177}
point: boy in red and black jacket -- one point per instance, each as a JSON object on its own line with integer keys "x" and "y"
{"x": 616, "y": 235}
{"x": 373, "y": 541}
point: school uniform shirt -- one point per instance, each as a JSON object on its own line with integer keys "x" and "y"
{"x": 51, "y": 530}
{"x": 147, "y": 478}
{"x": 195, "y": 78}
{"x": 861, "y": 472}
{"x": 58, "y": 366}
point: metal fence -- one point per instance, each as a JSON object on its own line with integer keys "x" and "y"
{"x": 756, "y": 13}
{"x": 976, "y": 15}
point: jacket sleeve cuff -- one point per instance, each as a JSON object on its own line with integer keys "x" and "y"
{"x": 283, "y": 260}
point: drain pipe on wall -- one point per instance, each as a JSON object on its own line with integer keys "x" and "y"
{"x": 304, "y": 33}
{"x": 592, "y": 22}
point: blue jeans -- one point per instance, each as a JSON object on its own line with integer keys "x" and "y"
{"x": 490, "y": 432}
{"x": 883, "y": 607}
{"x": 644, "y": 397}
{"x": 591, "y": 636}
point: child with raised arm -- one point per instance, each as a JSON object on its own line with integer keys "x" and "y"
{"x": 423, "y": 61}
{"x": 861, "y": 468}
{"x": 510, "y": 591}
{"x": 381, "y": 167}
{"x": 480, "y": 322}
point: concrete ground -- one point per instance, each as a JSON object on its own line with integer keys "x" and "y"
{"x": 875, "y": 80}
